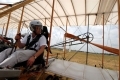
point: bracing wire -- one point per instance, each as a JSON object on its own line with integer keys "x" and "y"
{"x": 99, "y": 64}
{"x": 76, "y": 52}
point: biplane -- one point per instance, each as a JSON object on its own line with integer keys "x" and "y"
{"x": 63, "y": 14}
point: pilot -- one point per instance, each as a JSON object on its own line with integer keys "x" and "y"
{"x": 9, "y": 58}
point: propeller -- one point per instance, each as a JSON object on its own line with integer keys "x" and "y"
{"x": 109, "y": 49}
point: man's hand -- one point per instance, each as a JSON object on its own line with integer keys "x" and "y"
{"x": 18, "y": 36}
{"x": 8, "y": 42}
{"x": 30, "y": 61}
{"x": 5, "y": 40}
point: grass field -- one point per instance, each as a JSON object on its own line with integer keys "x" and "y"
{"x": 94, "y": 59}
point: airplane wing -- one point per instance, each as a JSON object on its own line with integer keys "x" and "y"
{"x": 78, "y": 71}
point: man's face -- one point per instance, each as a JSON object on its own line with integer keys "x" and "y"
{"x": 38, "y": 29}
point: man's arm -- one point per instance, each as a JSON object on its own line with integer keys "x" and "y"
{"x": 38, "y": 53}
{"x": 5, "y": 40}
{"x": 19, "y": 44}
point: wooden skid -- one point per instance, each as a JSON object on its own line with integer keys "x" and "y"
{"x": 31, "y": 75}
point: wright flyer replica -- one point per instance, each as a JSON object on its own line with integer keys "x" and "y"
{"x": 69, "y": 24}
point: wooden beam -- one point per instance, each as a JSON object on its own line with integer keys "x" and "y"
{"x": 7, "y": 24}
{"x": 65, "y": 39}
{"x": 103, "y": 44}
{"x": 118, "y": 2}
{"x": 15, "y": 7}
{"x": 50, "y": 31}
{"x": 19, "y": 26}
{"x": 74, "y": 12}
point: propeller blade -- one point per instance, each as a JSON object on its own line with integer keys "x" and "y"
{"x": 109, "y": 49}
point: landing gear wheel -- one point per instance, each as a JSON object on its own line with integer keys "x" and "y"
{"x": 50, "y": 77}
{"x": 88, "y": 36}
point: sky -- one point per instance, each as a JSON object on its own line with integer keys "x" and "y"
{"x": 9, "y": 1}
{"x": 111, "y": 34}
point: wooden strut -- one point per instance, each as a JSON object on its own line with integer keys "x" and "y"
{"x": 50, "y": 31}
{"x": 118, "y": 1}
{"x": 109, "y": 49}
{"x": 103, "y": 44}
{"x": 7, "y": 24}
